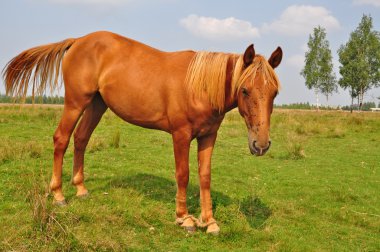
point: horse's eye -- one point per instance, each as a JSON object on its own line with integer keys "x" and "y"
{"x": 245, "y": 92}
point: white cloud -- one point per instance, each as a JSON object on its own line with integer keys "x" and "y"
{"x": 297, "y": 61}
{"x": 213, "y": 28}
{"x": 367, "y": 2}
{"x": 301, "y": 19}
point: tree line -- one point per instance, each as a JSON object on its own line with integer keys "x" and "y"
{"x": 366, "y": 106}
{"x": 359, "y": 59}
{"x": 37, "y": 99}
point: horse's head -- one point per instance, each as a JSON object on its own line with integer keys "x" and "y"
{"x": 257, "y": 90}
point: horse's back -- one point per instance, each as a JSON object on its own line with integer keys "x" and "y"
{"x": 141, "y": 84}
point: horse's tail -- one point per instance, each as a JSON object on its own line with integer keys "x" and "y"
{"x": 41, "y": 64}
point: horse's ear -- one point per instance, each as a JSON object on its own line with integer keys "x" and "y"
{"x": 275, "y": 58}
{"x": 249, "y": 54}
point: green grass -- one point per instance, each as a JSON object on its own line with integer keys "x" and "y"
{"x": 316, "y": 189}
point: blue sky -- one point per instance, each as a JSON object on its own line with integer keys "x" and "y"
{"x": 216, "y": 25}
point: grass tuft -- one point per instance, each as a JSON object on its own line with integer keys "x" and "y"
{"x": 95, "y": 144}
{"x": 295, "y": 151}
{"x": 294, "y": 147}
{"x": 42, "y": 211}
{"x": 49, "y": 225}
{"x": 115, "y": 141}
{"x": 11, "y": 150}
{"x": 337, "y": 132}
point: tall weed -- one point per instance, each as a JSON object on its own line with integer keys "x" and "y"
{"x": 294, "y": 147}
{"x": 48, "y": 223}
{"x": 115, "y": 141}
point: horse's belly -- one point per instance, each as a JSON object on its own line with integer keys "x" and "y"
{"x": 142, "y": 109}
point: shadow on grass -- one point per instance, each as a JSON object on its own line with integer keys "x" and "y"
{"x": 164, "y": 190}
{"x": 255, "y": 211}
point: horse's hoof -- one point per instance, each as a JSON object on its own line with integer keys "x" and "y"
{"x": 83, "y": 196}
{"x": 60, "y": 203}
{"x": 213, "y": 229}
{"x": 190, "y": 229}
{"x": 187, "y": 222}
{"x": 215, "y": 233}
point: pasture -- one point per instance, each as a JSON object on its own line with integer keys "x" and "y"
{"x": 316, "y": 189}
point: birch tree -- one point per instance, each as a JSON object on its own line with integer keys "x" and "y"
{"x": 360, "y": 61}
{"x": 318, "y": 70}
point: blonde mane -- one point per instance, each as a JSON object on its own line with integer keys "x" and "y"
{"x": 208, "y": 70}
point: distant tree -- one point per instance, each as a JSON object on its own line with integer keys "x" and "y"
{"x": 5, "y": 99}
{"x": 360, "y": 61}
{"x": 318, "y": 71}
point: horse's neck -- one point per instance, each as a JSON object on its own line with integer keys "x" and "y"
{"x": 230, "y": 102}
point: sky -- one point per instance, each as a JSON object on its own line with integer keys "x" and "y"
{"x": 213, "y": 25}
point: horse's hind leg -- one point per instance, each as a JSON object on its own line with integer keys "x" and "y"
{"x": 88, "y": 123}
{"x": 61, "y": 138}
{"x": 75, "y": 104}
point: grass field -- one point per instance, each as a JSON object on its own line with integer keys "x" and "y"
{"x": 317, "y": 189}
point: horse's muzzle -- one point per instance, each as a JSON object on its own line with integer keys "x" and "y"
{"x": 259, "y": 151}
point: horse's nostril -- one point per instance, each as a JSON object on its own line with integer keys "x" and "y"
{"x": 254, "y": 145}
{"x": 259, "y": 148}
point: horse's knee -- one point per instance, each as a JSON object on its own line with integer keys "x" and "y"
{"x": 60, "y": 142}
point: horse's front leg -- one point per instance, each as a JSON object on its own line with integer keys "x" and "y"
{"x": 181, "y": 143}
{"x": 205, "y": 148}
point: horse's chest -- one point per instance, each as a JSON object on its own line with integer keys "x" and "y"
{"x": 207, "y": 127}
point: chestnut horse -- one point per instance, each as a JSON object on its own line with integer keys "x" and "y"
{"x": 184, "y": 93}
